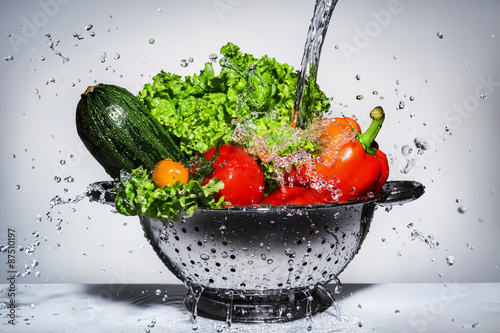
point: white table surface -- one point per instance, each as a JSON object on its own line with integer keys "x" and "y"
{"x": 443, "y": 307}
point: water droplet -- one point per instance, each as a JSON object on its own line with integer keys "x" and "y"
{"x": 191, "y": 59}
{"x": 406, "y": 150}
{"x": 483, "y": 96}
{"x": 116, "y": 57}
{"x": 157, "y": 292}
{"x": 397, "y": 311}
{"x": 213, "y": 57}
{"x": 269, "y": 261}
{"x": 401, "y": 105}
{"x": 375, "y": 92}
{"x": 462, "y": 209}
{"x": 440, "y": 35}
{"x": 9, "y": 57}
{"x": 103, "y": 57}
{"x": 151, "y": 41}
{"x": 263, "y": 256}
{"x": 18, "y": 187}
{"x": 421, "y": 144}
{"x": 358, "y": 77}
{"x": 88, "y": 27}
{"x": 78, "y": 36}
{"x": 412, "y": 98}
{"x": 359, "y": 97}
{"x": 204, "y": 256}
{"x": 184, "y": 63}
{"x": 450, "y": 260}
{"x": 57, "y": 179}
{"x": 69, "y": 179}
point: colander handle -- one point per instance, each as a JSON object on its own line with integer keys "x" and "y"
{"x": 400, "y": 192}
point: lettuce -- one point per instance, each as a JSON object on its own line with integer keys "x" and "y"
{"x": 138, "y": 195}
{"x": 200, "y": 109}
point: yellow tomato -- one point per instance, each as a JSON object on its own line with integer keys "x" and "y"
{"x": 168, "y": 172}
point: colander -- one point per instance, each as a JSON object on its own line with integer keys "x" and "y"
{"x": 267, "y": 263}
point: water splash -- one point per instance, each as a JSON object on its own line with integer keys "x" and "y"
{"x": 310, "y": 60}
{"x": 429, "y": 239}
{"x": 308, "y": 309}
{"x": 195, "y": 293}
{"x": 100, "y": 192}
{"x": 229, "y": 308}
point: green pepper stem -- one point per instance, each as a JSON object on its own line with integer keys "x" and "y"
{"x": 366, "y": 139}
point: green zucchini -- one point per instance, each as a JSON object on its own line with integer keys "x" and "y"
{"x": 120, "y": 132}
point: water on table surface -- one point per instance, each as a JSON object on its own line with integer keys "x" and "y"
{"x": 143, "y": 308}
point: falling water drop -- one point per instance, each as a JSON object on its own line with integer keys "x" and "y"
{"x": 213, "y": 57}
{"x": 440, "y": 35}
{"x": 450, "y": 260}
{"x": 406, "y": 150}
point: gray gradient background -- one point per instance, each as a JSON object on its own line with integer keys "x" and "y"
{"x": 399, "y": 55}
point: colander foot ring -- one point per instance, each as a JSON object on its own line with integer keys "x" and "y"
{"x": 269, "y": 306}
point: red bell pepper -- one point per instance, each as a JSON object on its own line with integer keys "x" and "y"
{"x": 349, "y": 164}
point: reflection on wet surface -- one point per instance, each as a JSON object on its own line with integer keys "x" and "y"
{"x": 158, "y": 308}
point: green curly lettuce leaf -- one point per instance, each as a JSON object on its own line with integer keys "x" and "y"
{"x": 137, "y": 195}
{"x": 200, "y": 109}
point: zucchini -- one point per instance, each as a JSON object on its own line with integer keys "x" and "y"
{"x": 120, "y": 132}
